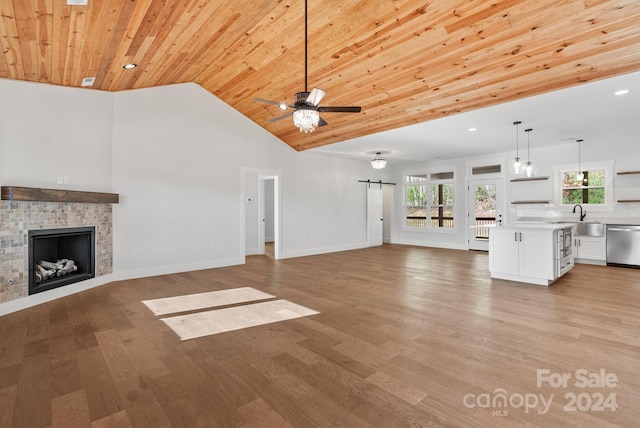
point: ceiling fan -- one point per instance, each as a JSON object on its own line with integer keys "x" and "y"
{"x": 306, "y": 111}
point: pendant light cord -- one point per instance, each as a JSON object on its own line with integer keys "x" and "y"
{"x": 579, "y": 156}
{"x": 528, "y": 144}
{"x": 516, "y": 123}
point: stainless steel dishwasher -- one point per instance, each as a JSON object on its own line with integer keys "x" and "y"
{"x": 623, "y": 245}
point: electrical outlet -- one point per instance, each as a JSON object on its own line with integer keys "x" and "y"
{"x": 136, "y": 253}
{"x": 60, "y": 179}
{"x": 66, "y": 180}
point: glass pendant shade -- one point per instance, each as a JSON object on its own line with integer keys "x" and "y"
{"x": 529, "y": 169}
{"x": 306, "y": 119}
{"x": 377, "y": 162}
{"x": 515, "y": 164}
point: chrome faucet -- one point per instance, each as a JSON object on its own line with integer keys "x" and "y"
{"x": 582, "y": 215}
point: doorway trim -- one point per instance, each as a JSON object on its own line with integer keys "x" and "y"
{"x": 261, "y": 174}
{"x": 488, "y": 169}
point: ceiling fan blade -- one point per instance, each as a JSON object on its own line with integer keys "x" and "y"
{"x": 343, "y": 109}
{"x": 316, "y": 96}
{"x": 322, "y": 122}
{"x": 284, "y": 116}
{"x": 283, "y": 106}
{"x": 260, "y": 100}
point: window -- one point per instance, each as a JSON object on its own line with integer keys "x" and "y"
{"x": 442, "y": 196}
{"x": 589, "y": 190}
{"x": 415, "y": 194}
{"x": 595, "y": 188}
{"x": 429, "y": 200}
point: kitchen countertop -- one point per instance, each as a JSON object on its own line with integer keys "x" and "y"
{"x": 538, "y": 225}
{"x": 554, "y": 220}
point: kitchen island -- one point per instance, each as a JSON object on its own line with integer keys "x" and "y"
{"x": 532, "y": 253}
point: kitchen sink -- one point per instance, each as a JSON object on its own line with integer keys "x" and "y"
{"x": 589, "y": 228}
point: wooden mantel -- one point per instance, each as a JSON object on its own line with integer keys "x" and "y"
{"x": 16, "y": 193}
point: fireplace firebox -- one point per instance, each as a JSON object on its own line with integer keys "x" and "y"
{"x": 67, "y": 255}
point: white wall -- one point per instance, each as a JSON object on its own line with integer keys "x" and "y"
{"x": 49, "y": 131}
{"x": 178, "y": 155}
{"x": 175, "y": 156}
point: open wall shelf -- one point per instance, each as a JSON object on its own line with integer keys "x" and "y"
{"x": 519, "y": 179}
{"x": 528, "y": 202}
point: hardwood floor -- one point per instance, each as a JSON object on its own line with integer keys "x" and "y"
{"x": 406, "y": 336}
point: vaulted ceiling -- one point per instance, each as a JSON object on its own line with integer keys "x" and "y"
{"x": 403, "y": 61}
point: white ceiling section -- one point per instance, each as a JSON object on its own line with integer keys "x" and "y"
{"x": 590, "y": 111}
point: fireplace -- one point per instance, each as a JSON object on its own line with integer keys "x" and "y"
{"x": 67, "y": 255}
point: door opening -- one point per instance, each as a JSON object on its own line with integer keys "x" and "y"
{"x": 485, "y": 211}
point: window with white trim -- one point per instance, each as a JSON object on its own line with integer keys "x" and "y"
{"x": 429, "y": 200}
{"x": 592, "y": 185}
{"x": 583, "y": 187}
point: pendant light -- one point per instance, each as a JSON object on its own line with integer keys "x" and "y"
{"x": 529, "y": 169}
{"x": 580, "y": 174}
{"x": 515, "y": 165}
{"x": 378, "y": 162}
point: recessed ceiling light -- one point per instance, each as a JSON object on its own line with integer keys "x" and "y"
{"x": 621, "y": 92}
{"x": 129, "y": 66}
{"x": 77, "y": 2}
{"x": 88, "y": 81}
{"x": 283, "y": 106}
{"x": 472, "y": 129}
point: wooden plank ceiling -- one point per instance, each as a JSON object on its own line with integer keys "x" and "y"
{"x": 403, "y": 61}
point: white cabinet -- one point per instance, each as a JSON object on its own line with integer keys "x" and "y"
{"x": 590, "y": 249}
{"x": 526, "y": 255}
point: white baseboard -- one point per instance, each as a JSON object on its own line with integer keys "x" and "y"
{"x": 49, "y": 295}
{"x": 166, "y": 270}
{"x": 447, "y": 246}
{"x": 323, "y": 250}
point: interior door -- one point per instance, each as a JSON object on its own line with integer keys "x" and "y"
{"x": 485, "y": 210}
{"x": 374, "y": 216}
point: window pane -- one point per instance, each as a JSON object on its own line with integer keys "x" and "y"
{"x": 442, "y": 216}
{"x": 572, "y": 196}
{"x": 442, "y": 176}
{"x": 444, "y": 198}
{"x": 596, "y": 177}
{"x": 416, "y": 195}
{"x": 596, "y": 196}
{"x": 415, "y": 178}
{"x": 416, "y": 216}
{"x": 570, "y": 180}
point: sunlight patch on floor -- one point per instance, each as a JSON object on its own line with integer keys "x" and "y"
{"x": 192, "y": 302}
{"x": 235, "y": 318}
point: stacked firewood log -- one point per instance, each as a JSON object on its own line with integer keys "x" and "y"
{"x": 47, "y": 270}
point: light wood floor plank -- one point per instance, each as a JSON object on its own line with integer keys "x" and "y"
{"x": 402, "y": 336}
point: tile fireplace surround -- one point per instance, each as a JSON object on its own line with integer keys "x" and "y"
{"x": 17, "y": 217}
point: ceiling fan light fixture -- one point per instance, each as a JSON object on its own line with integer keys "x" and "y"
{"x": 378, "y": 162}
{"x": 306, "y": 119}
